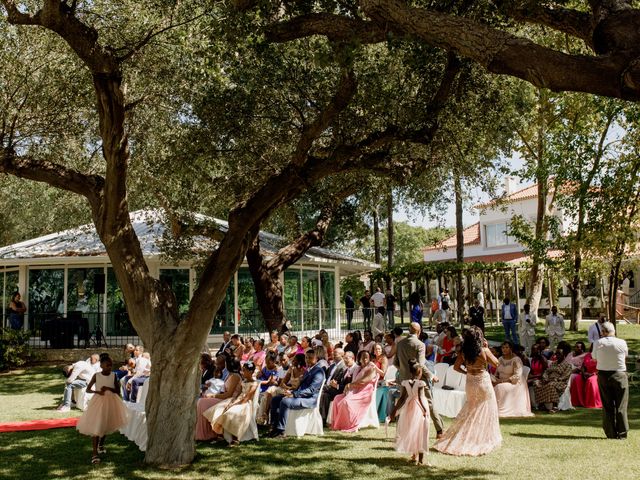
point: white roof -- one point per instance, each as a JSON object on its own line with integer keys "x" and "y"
{"x": 150, "y": 228}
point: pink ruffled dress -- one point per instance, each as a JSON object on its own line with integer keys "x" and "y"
{"x": 104, "y": 414}
{"x": 412, "y": 431}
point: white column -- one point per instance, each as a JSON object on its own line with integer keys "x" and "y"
{"x": 23, "y": 284}
{"x": 235, "y": 302}
{"x": 319, "y": 299}
{"x": 301, "y": 301}
{"x": 336, "y": 302}
{"x": 65, "y": 302}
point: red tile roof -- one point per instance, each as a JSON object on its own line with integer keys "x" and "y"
{"x": 513, "y": 257}
{"x": 471, "y": 236}
{"x": 522, "y": 194}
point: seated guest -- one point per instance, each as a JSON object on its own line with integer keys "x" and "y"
{"x": 584, "y": 386}
{"x": 449, "y": 342}
{"x": 283, "y": 345}
{"x": 538, "y": 365}
{"x": 140, "y": 375}
{"x": 232, "y": 386}
{"x": 258, "y": 355}
{"x": 367, "y": 343}
{"x": 390, "y": 346}
{"x": 382, "y": 398}
{"x": 305, "y": 396}
{"x": 294, "y": 347}
{"x": 351, "y": 406}
{"x": 207, "y": 369}
{"x": 236, "y": 348}
{"x": 235, "y": 418}
{"x": 338, "y": 356}
{"x": 337, "y": 379}
{"x": 268, "y": 376}
{"x": 554, "y": 380}
{"x": 274, "y": 341}
{"x": 351, "y": 344}
{"x": 283, "y": 364}
{"x": 327, "y": 345}
{"x": 291, "y": 381}
{"x": 512, "y": 392}
{"x": 305, "y": 344}
{"x": 518, "y": 351}
{"x": 321, "y": 357}
{"x": 576, "y": 357}
{"x": 226, "y": 343}
{"x": 78, "y": 376}
{"x": 544, "y": 347}
{"x": 248, "y": 349}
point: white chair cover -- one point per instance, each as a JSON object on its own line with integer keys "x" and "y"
{"x": 136, "y": 428}
{"x": 81, "y": 398}
{"x": 450, "y": 402}
{"x": 306, "y": 421}
{"x": 564, "y": 402}
{"x": 441, "y": 373}
{"x": 142, "y": 392}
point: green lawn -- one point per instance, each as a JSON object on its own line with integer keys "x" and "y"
{"x": 544, "y": 447}
{"x": 630, "y": 333}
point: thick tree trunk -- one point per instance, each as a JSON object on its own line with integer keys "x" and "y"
{"x": 376, "y": 236}
{"x": 390, "y": 232}
{"x": 612, "y": 294}
{"x": 268, "y": 287}
{"x": 576, "y": 293}
{"x": 457, "y": 181}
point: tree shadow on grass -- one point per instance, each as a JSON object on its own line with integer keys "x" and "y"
{"x": 47, "y": 380}
{"x": 561, "y": 437}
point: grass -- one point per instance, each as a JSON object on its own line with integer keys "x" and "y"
{"x": 546, "y": 446}
{"x": 630, "y": 333}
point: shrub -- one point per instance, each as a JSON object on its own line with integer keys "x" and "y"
{"x": 14, "y": 348}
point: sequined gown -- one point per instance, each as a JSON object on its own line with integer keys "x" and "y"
{"x": 476, "y": 429}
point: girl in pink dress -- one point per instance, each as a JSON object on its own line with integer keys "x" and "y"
{"x": 105, "y": 412}
{"x": 350, "y": 407}
{"x": 412, "y": 430}
{"x": 476, "y": 429}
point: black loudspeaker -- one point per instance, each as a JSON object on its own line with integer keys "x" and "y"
{"x": 99, "y": 283}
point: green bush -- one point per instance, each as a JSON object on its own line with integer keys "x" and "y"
{"x": 14, "y": 348}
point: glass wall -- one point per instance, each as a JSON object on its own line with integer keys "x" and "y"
{"x": 250, "y": 318}
{"x": 81, "y": 295}
{"x": 46, "y": 295}
{"x": 328, "y": 298}
{"x": 292, "y": 300}
{"x": 223, "y": 319}
{"x": 117, "y": 318}
{"x": 8, "y": 286}
{"x": 178, "y": 280}
{"x": 310, "y": 299}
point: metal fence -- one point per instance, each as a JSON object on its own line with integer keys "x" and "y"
{"x": 114, "y": 329}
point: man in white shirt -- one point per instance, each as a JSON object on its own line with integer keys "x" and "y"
{"x": 610, "y": 353}
{"x": 78, "y": 376}
{"x": 554, "y": 327}
{"x": 595, "y": 330}
{"x": 378, "y": 299}
{"x": 141, "y": 372}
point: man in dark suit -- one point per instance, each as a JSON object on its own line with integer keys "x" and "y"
{"x": 305, "y": 396}
{"x": 336, "y": 381}
{"x": 411, "y": 348}
{"x": 226, "y": 343}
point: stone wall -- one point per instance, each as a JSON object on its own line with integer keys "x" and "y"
{"x": 71, "y": 355}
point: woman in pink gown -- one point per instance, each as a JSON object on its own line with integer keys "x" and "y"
{"x": 476, "y": 429}
{"x": 584, "y": 386}
{"x": 232, "y": 387}
{"x": 350, "y": 407}
{"x": 512, "y": 393}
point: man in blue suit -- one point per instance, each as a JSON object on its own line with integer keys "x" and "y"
{"x": 305, "y": 396}
{"x": 509, "y": 321}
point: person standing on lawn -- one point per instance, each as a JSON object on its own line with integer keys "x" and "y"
{"x": 610, "y": 353}
{"x": 106, "y": 412}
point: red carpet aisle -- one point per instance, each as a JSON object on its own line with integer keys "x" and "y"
{"x": 38, "y": 424}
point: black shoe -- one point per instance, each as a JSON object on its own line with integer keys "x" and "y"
{"x": 275, "y": 433}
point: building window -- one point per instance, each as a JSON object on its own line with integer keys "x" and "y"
{"x": 496, "y": 235}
